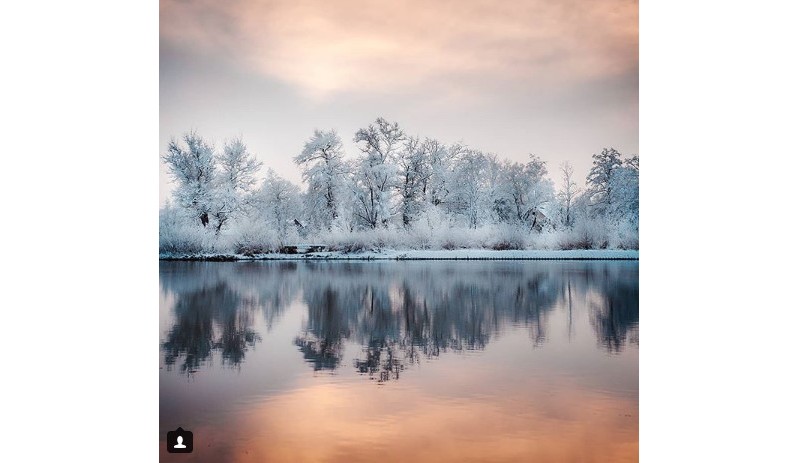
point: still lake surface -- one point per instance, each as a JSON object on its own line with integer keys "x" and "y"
{"x": 401, "y": 361}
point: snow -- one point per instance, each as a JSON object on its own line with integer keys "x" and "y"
{"x": 458, "y": 254}
{"x": 399, "y": 192}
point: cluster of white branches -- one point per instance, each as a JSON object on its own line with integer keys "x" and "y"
{"x": 399, "y": 190}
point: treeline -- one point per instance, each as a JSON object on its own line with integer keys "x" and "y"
{"x": 399, "y": 191}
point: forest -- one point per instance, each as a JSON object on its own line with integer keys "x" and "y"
{"x": 399, "y": 191}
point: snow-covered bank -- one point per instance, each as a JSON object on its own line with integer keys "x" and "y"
{"x": 457, "y": 254}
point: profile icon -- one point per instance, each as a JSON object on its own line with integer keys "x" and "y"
{"x": 180, "y": 441}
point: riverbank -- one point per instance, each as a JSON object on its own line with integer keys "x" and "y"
{"x": 455, "y": 254}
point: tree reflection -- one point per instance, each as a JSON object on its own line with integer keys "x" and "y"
{"x": 209, "y": 320}
{"x": 616, "y": 315}
{"x": 192, "y": 336}
{"x": 327, "y": 326}
{"x": 398, "y": 312}
{"x": 402, "y": 313}
{"x": 214, "y": 313}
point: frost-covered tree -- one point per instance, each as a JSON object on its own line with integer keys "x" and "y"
{"x": 497, "y": 202}
{"x": 633, "y": 163}
{"x": 192, "y": 166}
{"x": 440, "y": 160}
{"x": 469, "y": 186}
{"x": 179, "y": 231}
{"x": 415, "y": 171}
{"x": 540, "y": 195}
{"x": 598, "y": 181}
{"x": 441, "y": 184}
{"x": 323, "y": 167}
{"x": 238, "y": 167}
{"x": 436, "y": 191}
{"x": 625, "y": 191}
{"x": 567, "y": 194}
{"x": 502, "y": 200}
{"x": 539, "y": 204}
{"x": 213, "y": 186}
{"x": 279, "y": 202}
{"x": 233, "y": 182}
{"x": 523, "y": 192}
{"x": 376, "y": 172}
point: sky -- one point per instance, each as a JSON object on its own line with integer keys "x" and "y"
{"x": 554, "y": 78}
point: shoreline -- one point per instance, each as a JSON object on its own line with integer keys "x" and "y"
{"x": 396, "y": 255}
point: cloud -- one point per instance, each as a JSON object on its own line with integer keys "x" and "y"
{"x": 324, "y": 48}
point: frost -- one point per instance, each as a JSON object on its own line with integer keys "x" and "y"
{"x": 399, "y": 192}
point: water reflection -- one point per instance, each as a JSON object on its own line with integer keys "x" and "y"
{"x": 398, "y": 312}
{"x": 214, "y": 311}
{"x": 400, "y": 361}
{"x": 615, "y": 313}
{"x": 209, "y": 319}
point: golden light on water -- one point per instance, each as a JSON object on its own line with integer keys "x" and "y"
{"x": 336, "y": 424}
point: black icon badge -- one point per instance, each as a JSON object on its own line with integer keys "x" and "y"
{"x": 179, "y": 441}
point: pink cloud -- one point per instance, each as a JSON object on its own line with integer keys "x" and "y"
{"x": 324, "y": 47}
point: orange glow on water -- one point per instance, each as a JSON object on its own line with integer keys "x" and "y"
{"x": 550, "y": 377}
{"x": 335, "y": 424}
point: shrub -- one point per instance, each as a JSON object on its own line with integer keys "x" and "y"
{"x": 178, "y": 234}
{"x": 252, "y": 238}
{"x": 507, "y": 237}
{"x": 586, "y": 234}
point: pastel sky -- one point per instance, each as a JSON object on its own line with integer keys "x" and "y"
{"x": 557, "y": 78}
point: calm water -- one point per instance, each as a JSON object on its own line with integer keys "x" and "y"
{"x": 401, "y": 361}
